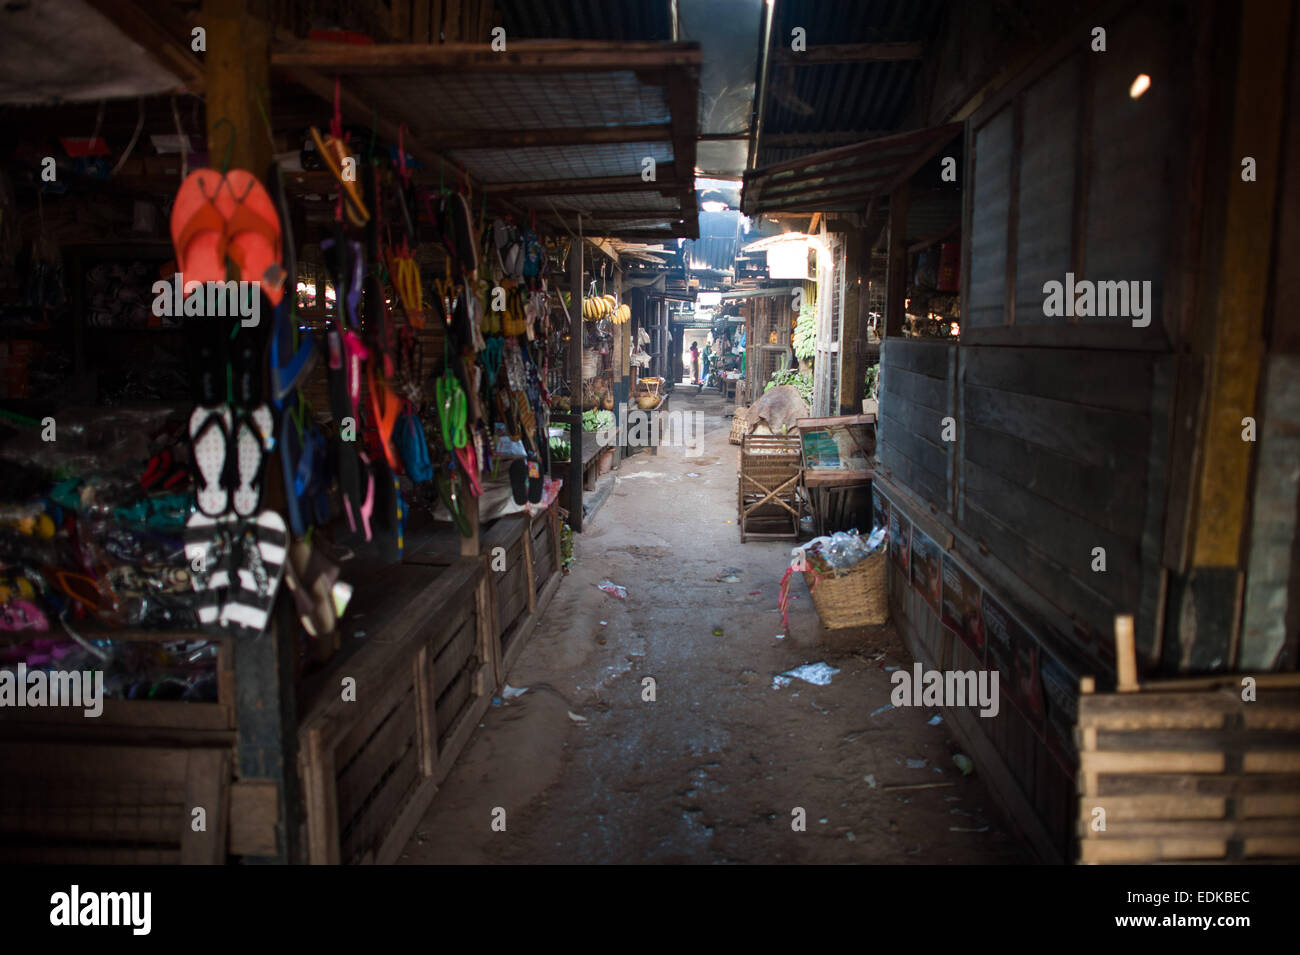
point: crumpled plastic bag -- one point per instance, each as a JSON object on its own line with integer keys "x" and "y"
{"x": 779, "y": 409}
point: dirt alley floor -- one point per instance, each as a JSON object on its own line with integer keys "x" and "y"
{"x": 711, "y": 771}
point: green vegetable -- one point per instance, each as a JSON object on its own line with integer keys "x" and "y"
{"x": 792, "y": 376}
{"x": 597, "y": 420}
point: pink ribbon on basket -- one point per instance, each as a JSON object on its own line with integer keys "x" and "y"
{"x": 802, "y": 566}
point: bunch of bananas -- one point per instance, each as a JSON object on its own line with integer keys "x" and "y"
{"x": 622, "y": 315}
{"x": 594, "y": 309}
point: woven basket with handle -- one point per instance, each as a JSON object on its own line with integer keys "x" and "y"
{"x": 856, "y": 597}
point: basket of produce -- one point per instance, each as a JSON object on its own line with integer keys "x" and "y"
{"x": 647, "y": 393}
{"x": 597, "y": 420}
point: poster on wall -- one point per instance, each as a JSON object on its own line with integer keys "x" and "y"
{"x": 1013, "y": 650}
{"x": 900, "y": 540}
{"x": 925, "y": 568}
{"x": 879, "y": 510}
{"x": 1062, "y": 707}
{"x": 960, "y": 607}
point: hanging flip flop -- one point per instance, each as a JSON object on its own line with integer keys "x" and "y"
{"x": 387, "y": 407}
{"x": 262, "y": 547}
{"x": 250, "y": 451}
{"x": 253, "y": 238}
{"x": 209, "y": 431}
{"x": 207, "y": 547}
{"x": 413, "y": 448}
{"x": 359, "y": 512}
{"x": 198, "y": 228}
{"x": 334, "y": 154}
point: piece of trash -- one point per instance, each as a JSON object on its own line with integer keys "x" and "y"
{"x": 780, "y": 636}
{"x": 729, "y": 579}
{"x": 822, "y": 820}
{"x": 496, "y": 701}
{"x": 510, "y": 692}
{"x": 887, "y": 706}
{"x": 851, "y": 837}
{"x": 691, "y": 474}
{"x": 961, "y": 829}
{"x": 717, "y": 631}
{"x": 870, "y": 780}
{"x": 755, "y": 593}
{"x": 359, "y": 634}
{"x": 890, "y": 669}
{"x": 780, "y": 682}
{"x": 964, "y": 763}
{"x": 891, "y": 789}
{"x": 818, "y": 674}
{"x": 916, "y": 764}
{"x": 935, "y": 720}
{"x": 602, "y": 623}
{"x": 614, "y": 589}
{"x": 576, "y": 718}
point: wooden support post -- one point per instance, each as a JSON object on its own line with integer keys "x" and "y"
{"x": 469, "y": 546}
{"x": 1232, "y": 334}
{"x": 622, "y": 364}
{"x": 237, "y": 65}
{"x": 575, "y": 383}
{"x": 853, "y": 338}
{"x": 896, "y": 272}
{"x": 238, "y": 62}
{"x": 1126, "y": 680}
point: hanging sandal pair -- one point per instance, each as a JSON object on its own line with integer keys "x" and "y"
{"x": 219, "y": 216}
{"x": 236, "y": 565}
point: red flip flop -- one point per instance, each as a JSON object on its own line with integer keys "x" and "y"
{"x": 199, "y": 229}
{"x": 253, "y": 232}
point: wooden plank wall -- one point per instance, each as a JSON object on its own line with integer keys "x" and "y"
{"x": 915, "y": 396}
{"x": 1053, "y": 464}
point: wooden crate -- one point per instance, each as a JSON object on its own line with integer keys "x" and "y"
{"x": 98, "y": 804}
{"x": 1188, "y": 771}
{"x": 768, "y": 503}
{"x": 369, "y": 768}
{"x": 152, "y": 721}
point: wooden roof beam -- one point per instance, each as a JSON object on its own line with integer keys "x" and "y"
{"x": 520, "y": 56}
{"x": 821, "y": 54}
{"x": 666, "y": 184}
{"x": 563, "y": 136}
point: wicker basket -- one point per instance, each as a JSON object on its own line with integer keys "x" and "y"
{"x": 856, "y": 597}
{"x": 738, "y": 425}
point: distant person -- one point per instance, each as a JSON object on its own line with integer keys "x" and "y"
{"x": 695, "y": 363}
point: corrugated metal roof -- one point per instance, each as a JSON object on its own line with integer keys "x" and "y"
{"x": 625, "y": 20}
{"x": 561, "y": 162}
{"x": 719, "y": 241}
{"x": 845, "y": 178}
{"x": 843, "y": 97}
